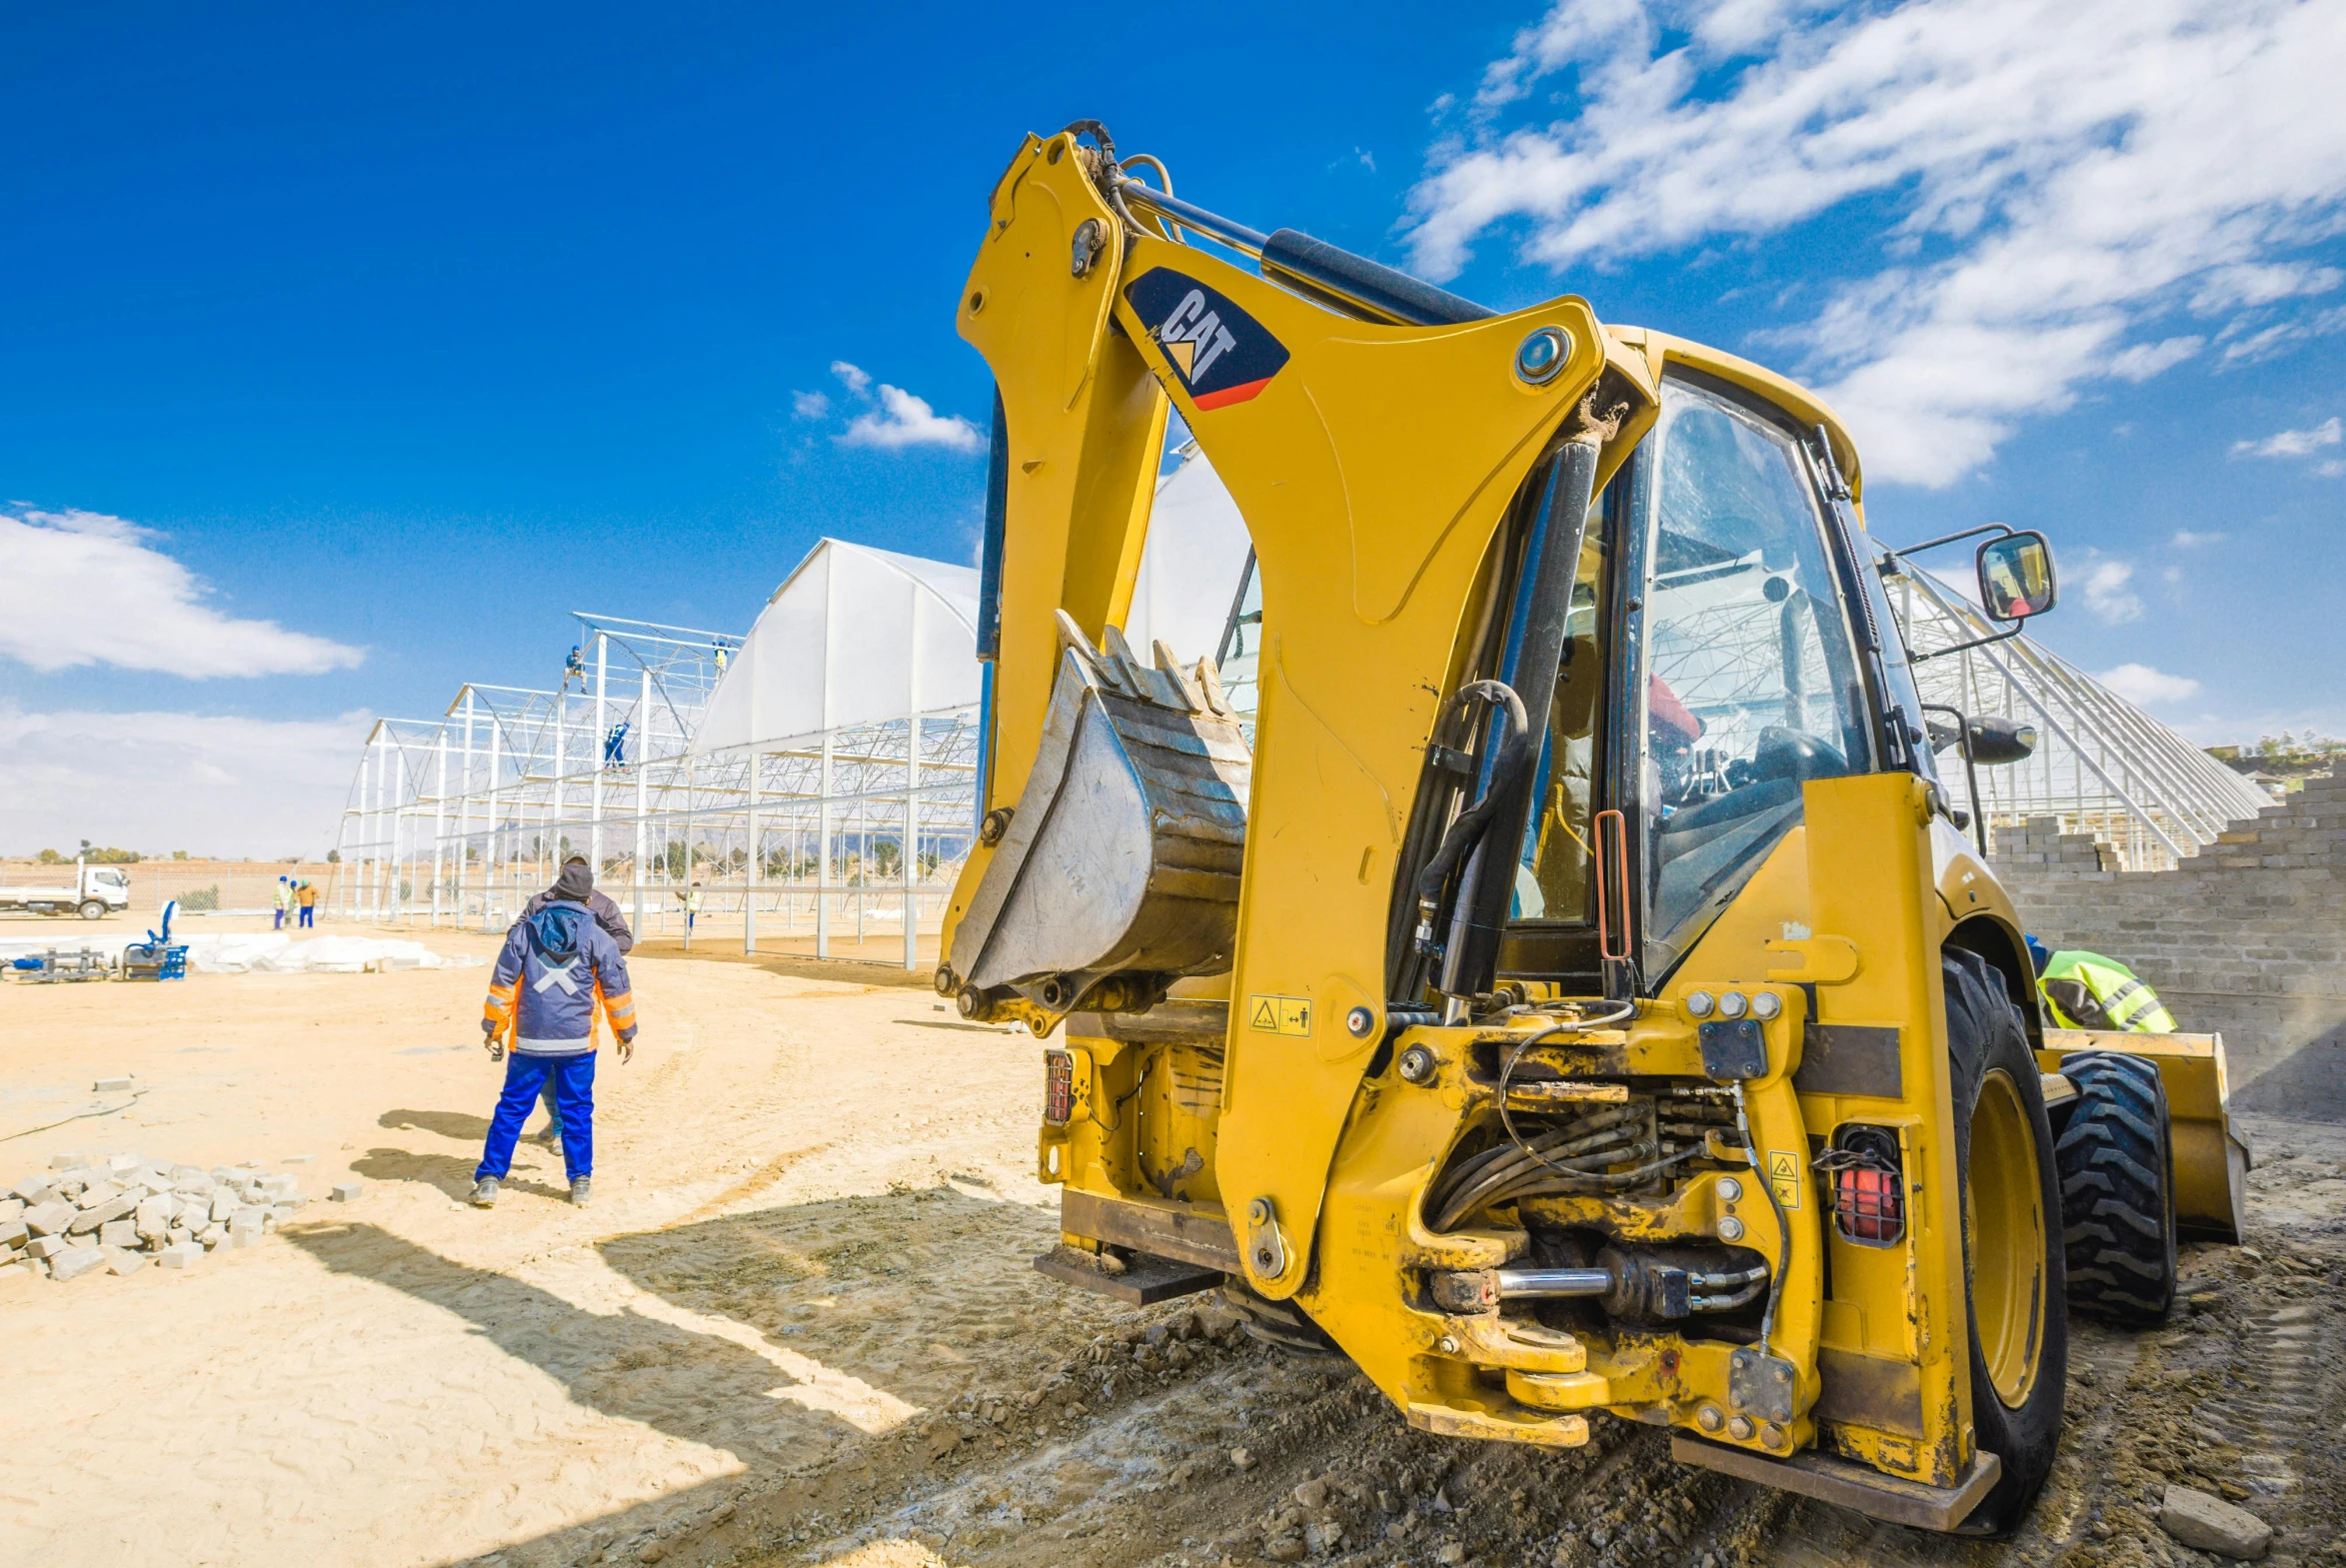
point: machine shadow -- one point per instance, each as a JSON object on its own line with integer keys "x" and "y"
{"x": 853, "y": 1338}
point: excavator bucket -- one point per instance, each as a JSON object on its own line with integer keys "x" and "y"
{"x": 2211, "y": 1161}
{"x": 1123, "y": 854}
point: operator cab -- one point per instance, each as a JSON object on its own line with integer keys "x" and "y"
{"x": 1729, "y": 639}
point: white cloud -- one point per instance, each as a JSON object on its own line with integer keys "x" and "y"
{"x": 161, "y": 782}
{"x": 809, "y": 405}
{"x": 2065, "y": 176}
{"x": 2145, "y": 359}
{"x": 2293, "y": 443}
{"x": 81, "y": 588}
{"x": 2143, "y": 686}
{"x": 902, "y": 419}
{"x": 2185, "y": 538}
{"x": 857, "y": 380}
{"x": 2107, "y": 598}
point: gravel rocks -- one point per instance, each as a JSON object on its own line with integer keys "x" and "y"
{"x": 116, "y": 1213}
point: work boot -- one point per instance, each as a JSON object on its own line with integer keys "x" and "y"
{"x": 550, "y": 1137}
{"x": 581, "y": 1191}
{"x": 485, "y": 1192}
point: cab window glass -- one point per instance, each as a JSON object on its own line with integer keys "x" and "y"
{"x": 1751, "y": 680}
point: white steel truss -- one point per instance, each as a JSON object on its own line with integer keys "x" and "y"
{"x": 2102, "y": 765}
{"x": 856, "y": 833}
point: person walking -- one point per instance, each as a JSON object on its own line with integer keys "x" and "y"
{"x": 576, "y": 885}
{"x": 306, "y": 895}
{"x": 690, "y": 897}
{"x": 558, "y": 969}
{"x": 282, "y": 897}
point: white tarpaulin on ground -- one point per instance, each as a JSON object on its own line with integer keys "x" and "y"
{"x": 260, "y": 953}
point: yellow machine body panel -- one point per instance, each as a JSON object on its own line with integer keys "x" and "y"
{"x": 1253, "y": 1123}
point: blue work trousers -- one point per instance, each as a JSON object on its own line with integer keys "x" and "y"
{"x": 572, "y": 1078}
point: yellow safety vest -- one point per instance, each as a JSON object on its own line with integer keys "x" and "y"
{"x": 2085, "y": 991}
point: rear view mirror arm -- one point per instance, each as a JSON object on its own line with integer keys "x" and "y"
{"x": 1893, "y": 561}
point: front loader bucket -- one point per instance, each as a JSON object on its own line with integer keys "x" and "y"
{"x": 1124, "y": 852}
{"x": 2211, "y": 1161}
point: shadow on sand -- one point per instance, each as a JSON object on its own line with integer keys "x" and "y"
{"x": 782, "y": 1337}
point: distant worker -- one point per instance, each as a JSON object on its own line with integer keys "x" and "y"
{"x": 306, "y": 895}
{"x": 573, "y": 667}
{"x": 2084, "y": 990}
{"x": 615, "y": 745}
{"x": 576, "y": 885}
{"x": 721, "y": 658}
{"x": 281, "y": 897}
{"x": 690, "y": 897}
{"x": 558, "y": 970}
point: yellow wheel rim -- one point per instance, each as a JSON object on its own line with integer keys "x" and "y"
{"x": 2008, "y": 1237}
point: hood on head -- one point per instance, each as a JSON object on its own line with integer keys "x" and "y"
{"x": 575, "y": 882}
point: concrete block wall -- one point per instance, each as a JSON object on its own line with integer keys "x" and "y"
{"x": 2246, "y": 939}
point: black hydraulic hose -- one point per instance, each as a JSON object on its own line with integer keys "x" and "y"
{"x": 1515, "y": 760}
{"x": 1775, "y": 1285}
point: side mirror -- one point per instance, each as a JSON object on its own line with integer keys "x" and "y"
{"x": 2016, "y": 578}
{"x": 1997, "y": 740}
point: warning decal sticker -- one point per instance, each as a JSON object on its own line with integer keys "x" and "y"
{"x": 1279, "y": 1015}
{"x": 1783, "y": 1174}
{"x": 1221, "y": 354}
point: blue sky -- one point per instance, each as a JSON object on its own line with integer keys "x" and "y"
{"x": 346, "y": 352}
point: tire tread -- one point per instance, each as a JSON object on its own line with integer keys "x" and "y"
{"x": 2118, "y": 1223}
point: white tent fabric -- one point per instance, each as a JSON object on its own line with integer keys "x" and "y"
{"x": 1190, "y": 564}
{"x": 853, "y": 635}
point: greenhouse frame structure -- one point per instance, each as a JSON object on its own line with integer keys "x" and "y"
{"x": 2101, "y": 766}
{"x": 804, "y": 818}
{"x": 817, "y": 777}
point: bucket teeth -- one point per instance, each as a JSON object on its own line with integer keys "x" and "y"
{"x": 1123, "y": 853}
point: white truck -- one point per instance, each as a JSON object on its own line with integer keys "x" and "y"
{"x": 95, "y": 891}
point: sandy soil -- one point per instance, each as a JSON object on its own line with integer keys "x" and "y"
{"x": 798, "y": 1326}
{"x": 409, "y": 1380}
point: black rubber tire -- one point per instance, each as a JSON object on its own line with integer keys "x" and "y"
{"x": 1984, "y": 1032}
{"x": 2118, "y": 1189}
{"x": 93, "y": 909}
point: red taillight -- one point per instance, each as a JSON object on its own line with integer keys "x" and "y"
{"x": 1058, "y": 1087}
{"x": 1868, "y": 1205}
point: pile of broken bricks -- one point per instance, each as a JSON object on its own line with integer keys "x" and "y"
{"x": 116, "y": 1213}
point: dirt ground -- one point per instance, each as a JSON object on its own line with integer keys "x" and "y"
{"x": 798, "y": 1326}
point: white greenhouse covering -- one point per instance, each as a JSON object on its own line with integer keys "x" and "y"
{"x": 1190, "y": 565}
{"x": 810, "y": 785}
{"x": 855, "y": 636}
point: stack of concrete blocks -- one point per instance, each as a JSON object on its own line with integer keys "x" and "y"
{"x": 2246, "y": 939}
{"x": 119, "y": 1212}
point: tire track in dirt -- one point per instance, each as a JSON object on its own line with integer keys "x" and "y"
{"x": 1104, "y": 1454}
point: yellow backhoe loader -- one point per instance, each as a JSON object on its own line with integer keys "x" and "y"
{"x": 1571, "y": 992}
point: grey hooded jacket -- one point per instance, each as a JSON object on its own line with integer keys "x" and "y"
{"x": 576, "y": 885}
